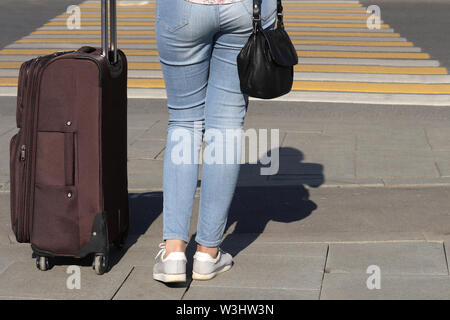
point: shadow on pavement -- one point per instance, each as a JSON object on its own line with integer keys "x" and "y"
{"x": 145, "y": 208}
{"x": 285, "y": 199}
{"x": 278, "y": 198}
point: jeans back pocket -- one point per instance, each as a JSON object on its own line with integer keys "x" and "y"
{"x": 173, "y": 14}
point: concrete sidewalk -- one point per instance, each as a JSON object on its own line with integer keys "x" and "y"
{"x": 359, "y": 185}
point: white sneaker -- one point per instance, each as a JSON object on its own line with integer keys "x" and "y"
{"x": 169, "y": 269}
{"x": 206, "y": 267}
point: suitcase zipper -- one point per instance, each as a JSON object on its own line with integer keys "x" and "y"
{"x": 29, "y": 141}
{"x": 12, "y": 152}
{"x": 24, "y": 70}
{"x": 22, "y": 232}
{"x": 23, "y": 236}
{"x": 23, "y": 149}
{"x": 40, "y": 63}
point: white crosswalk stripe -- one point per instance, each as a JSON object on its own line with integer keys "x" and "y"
{"x": 340, "y": 59}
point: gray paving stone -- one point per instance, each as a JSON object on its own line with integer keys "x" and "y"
{"x": 140, "y": 256}
{"x": 353, "y": 182}
{"x": 239, "y": 245}
{"x": 13, "y": 253}
{"x": 395, "y": 163}
{"x": 302, "y": 212}
{"x": 290, "y": 164}
{"x": 260, "y": 140}
{"x": 12, "y": 238}
{"x": 139, "y": 121}
{"x": 293, "y": 124}
{"x": 399, "y": 258}
{"x": 442, "y": 159}
{"x": 347, "y": 127}
{"x": 8, "y": 121}
{"x": 160, "y": 156}
{"x": 441, "y": 181}
{"x": 8, "y": 130}
{"x": 16, "y": 279}
{"x": 141, "y": 286}
{"x": 291, "y": 180}
{"x": 145, "y": 149}
{"x": 321, "y": 166}
{"x": 8, "y": 127}
{"x": 302, "y": 129}
{"x": 312, "y": 143}
{"x": 5, "y": 219}
{"x": 146, "y": 247}
{"x": 328, "y": 237}
{"x": 4, "y": 162}
{"x": 148, "y": 242}
{"x": 4, "y": 185}
{"x": 336, "y": 165}
{"x": 382, "y": 139}
{"x": 157, "y": 131}
{"x": 145, "y": 175}
{"x": 133, "y": 134}
{"x": 5, "y": 231}
{"x": 270, "y": 272}
{"x": 4, "y": 149}
{"x": 439, "y": 138}
{"x": 393, "y": 287}
{"x": 447, "y": 250}
{"x": 224, "y": 293}
{"x": 437, "y": 237}
{"x": 142, "y": 182}
{"x": 144, "y": 166}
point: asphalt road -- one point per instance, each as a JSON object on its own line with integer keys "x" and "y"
{"x": 407, "y": 65}
{"x": 19, "y": 17}
{"x": 424, "y": 22}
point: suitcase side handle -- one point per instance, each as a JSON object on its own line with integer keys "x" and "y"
{"x": 111, "y": 47}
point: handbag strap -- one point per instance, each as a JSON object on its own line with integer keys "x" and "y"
{"x": 257, "y": 14}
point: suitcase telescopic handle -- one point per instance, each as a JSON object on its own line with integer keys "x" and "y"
{"x": 110, "y": 48}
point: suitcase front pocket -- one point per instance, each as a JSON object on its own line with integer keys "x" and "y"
{"x": 55, "y": 223}
{"x": 55, "y": 160}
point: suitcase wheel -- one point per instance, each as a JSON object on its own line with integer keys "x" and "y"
{"x": 100, "y": 264}
{"x": 42, "y": 263}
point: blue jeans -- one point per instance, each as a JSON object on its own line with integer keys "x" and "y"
{"x": 198, "y": 46}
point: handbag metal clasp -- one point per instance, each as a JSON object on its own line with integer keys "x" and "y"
{"x": 255, "y": 23}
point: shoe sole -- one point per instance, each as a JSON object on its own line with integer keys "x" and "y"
{"x": 170, "y": 278}
{"x": 209, "y": 276}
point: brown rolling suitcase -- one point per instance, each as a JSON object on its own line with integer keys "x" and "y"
{"x": 68, "y": 165}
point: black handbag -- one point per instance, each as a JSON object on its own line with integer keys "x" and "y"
{"x": 266, "y": 62}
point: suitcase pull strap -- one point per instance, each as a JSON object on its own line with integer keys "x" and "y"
{"x": 109, "y": 50}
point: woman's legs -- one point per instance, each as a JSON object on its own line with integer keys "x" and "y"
{"x": 184, "y": 34}
{"x": 180, "y": 170}
{"x": 225, "y": 110}
{"x": 203, "y": 93}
